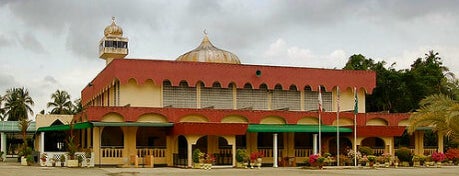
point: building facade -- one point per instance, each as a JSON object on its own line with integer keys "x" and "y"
{"x": 206, "y": 99}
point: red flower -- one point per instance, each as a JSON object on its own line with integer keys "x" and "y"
{"x": 438, "y": 157}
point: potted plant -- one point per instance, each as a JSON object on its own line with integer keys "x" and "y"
{"x": 72, "y": 148}
{"x": 404, "y": 155}
{"x": 316, "y": 161}
{"x": 428, "y": 160}
{"x": 62, "y": 160}
{"x": 241, "y": 157}
{"x": 53, "y": 161}
{"x": 208, "y": 161}
{"x": 88, "y": 153}
{"x": 80, "y": 160}
{"x": 417, "y": 160}
{"x": 453, "y": 155}
{"x": 43, "y": 159}
{"x": 371, "y": 159}
{"x": 438, "y": 157}
{"x": 25, "y": 149}
{"x": 256, "y": 158}
{"x": 386, "y": 158}
{"x": 197, "y": 158}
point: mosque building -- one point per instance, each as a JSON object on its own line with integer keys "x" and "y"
{"x": 207, "y": 99}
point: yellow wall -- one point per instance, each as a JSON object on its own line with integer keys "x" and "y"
{"x": 48, "y": 119}
{"x": 347, "y": 100}
{"x": 146, "y": 95}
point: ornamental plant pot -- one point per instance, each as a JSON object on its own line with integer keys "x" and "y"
{"x": 72, "y": 163}
{"x": 23, "y": 161}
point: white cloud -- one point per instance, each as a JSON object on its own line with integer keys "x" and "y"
{"x": 281, "y": 53}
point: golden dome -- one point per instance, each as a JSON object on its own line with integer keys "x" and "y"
{"x": 206, "y": 52}
{"x": 113, "y": 30}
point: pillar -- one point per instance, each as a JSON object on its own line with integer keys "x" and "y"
{"x": 233, "y": 151}
{"x": 189, "y": 154}
{"x": 314, "y": 143}
{"x": 440, "y": 142}
{"x": 419, "y": 142}
{"x": 171, "y": 148}
{"x": 97, "y": 134}
{"x": 42, "y": 142}
{"x": 3, "y": 144}
{"x": 275, "y": 150}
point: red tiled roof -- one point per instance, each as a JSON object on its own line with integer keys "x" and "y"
{"x": 239, "y": 74}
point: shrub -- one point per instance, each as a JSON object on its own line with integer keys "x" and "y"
{"x": 241, "y": 155}
{"x": 403, "y": 154}
{"x": 196, "y": 155}
{"x": 452, "y": 154}
{"x": 364, "y": 150}
{"x": 438, "y": 156}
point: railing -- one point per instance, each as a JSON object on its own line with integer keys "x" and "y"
{"x": 180, "y": 160}
{"x": 156, "y": 152}
{"x": 303, "y": 152}
{"x": 112, "y": 152}
{"x": 268, "y": 152}
{"x": 429, "y": 150}
{"x": 378, "y": 151}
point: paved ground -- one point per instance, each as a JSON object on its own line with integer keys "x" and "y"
{"x": 13, "y": 169}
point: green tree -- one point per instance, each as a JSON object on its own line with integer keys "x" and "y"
{"x": 358, "y": 62}
{"x": 425, "y": 77}
{"x": 18, "y": 104}
{"x": 402, "y": 90}
{"x": 77, "y": 107}
{"x": 61, "y": 103}
{"x": 2, "y": 110}
{"x": 439, "y": 111}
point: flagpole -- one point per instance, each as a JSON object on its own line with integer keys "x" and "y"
{"x": 337, "y": 126}
{"x": 320, "y": 120}
{"x": 355, "y": 125}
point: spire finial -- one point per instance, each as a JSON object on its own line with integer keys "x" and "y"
{"x": 205, "y": 31}
{"x": 113, "y": 19}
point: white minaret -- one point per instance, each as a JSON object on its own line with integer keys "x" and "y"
{"x": 113, "y": 45}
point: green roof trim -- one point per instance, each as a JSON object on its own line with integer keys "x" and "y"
{"x": 76, "y": 126}
{"x": 278, "y": 128}
{"x": 133, "y": 124}
{"x": 13, "y": 126}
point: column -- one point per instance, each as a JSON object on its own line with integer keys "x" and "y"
{"x": 419, "y": 142}
{"x": 233, "y": 151}
{"x": 440, "y": 142}
{"x": 189, "y": 153}
{"x": 275, "y": 150}
{"x": 42, "y": 142}
{"x": 314, "y": 143}
{"x": 3, "y": 144}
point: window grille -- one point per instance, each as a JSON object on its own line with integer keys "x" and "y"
{"x": 179, "y": 97}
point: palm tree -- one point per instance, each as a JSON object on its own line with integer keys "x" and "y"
{"x": 77, "y": 107}
{"x": 61, "y": 103}
{"x": 18, "y": 104}
{"x": 2, "y": 110}
{"x": 439, "y": 111}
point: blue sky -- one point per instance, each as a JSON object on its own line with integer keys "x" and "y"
{"x": 51, "y": 44}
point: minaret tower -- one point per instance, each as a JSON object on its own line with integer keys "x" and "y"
{"x": 113, "y": 45}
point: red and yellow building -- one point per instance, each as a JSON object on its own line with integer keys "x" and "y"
{"x": 207, "y": 99}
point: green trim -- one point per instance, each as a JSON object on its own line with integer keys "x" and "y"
{"x": 76, "y": 126}
{"x": 133, "y": 124}
{"x": 294, "y": 128}
{"x": 13, "y": 126}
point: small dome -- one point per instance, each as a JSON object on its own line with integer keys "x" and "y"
{"x": 206, "y": 52}
{"x": 113, "y": 30}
